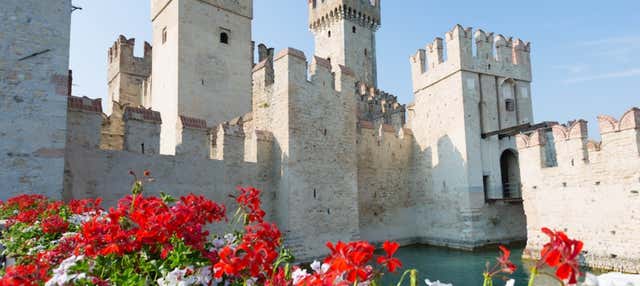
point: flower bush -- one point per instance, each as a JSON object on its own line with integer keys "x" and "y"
{"x": 161, "y": 240}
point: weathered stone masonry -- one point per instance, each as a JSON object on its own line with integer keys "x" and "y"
{"x": 34, "y": 83}
{"x": 589, "y": 189}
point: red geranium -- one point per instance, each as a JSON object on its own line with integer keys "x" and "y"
{"x": 562, "y": 252}
{"x": 389, "y": 261}
{"x": 54, "y": 224}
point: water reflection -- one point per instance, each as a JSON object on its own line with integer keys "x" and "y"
{"x": 461, "y": 268}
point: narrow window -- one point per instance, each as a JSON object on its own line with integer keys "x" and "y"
{"x": 315, "y": 194}
{"x": 164, "y": 35}
{"x": 142, "y": 147}
{"x": 353, "y": 29}
{"x": 485, "y": 187}
{"x": 366, "y": 53}
{"x": 329, "y": 34}
{"x": 510, "y": 105}
{"x": 224, "y": 38}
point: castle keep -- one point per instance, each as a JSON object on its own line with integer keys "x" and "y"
{"x": 337, "y": 157}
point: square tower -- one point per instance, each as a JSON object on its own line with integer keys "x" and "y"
{"x": 468, "y": 108}
{"x": 345, "y": 34}
{"x": 127, "y": 74}
{"x": 202, "y": 61}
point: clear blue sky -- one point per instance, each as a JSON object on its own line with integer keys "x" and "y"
{"x": 585, "y": 53}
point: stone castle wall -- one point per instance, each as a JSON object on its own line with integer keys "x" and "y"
{"x": 94, "y": 172}
{"x": 588, "y": 189}
{"x": 34, "y": 83}
{"x": 385, "y": 201}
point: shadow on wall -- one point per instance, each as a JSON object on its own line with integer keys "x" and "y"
{"x": 454, "y": 211}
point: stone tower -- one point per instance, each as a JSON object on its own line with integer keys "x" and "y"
{"x": 467, "y": 110}
{"x": 34, "y": 85}
{"x": 127, "y": 73}
{"x": 202, "y": 62}
{"x": 345, "y": 33}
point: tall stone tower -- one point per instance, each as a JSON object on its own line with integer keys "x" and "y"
{"x": 345, "y": 34}
{"x": 127, "y": 73}
{"x": 34, "y": 85}
{"x": 468, "y": 108}
{"x": 202, "y": 61}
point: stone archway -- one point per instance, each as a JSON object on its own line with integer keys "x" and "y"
{"x": 510, "y": 171}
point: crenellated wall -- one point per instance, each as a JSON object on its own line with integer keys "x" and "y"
{"x": 380, "y": 107}
{"x": 589, "y": 189}
{"x": 311, "y": 111}
{"x": 94, "y": 172}
{"x": 497, "y": 55}
{"x": 385, "y": 202}
{"x": 460, "y": 120}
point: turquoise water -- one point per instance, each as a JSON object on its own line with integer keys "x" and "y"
{"x": 460, "y": 268}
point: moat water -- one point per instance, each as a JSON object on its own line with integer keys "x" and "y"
{"x": 457, "y": 267}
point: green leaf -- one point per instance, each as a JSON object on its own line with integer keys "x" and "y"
{"x": 167, "y": 199}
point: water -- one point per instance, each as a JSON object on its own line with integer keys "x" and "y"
{"x": 460, "y": 268}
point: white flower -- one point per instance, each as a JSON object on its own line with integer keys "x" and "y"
{"x": 612, "y": 279}
{"x": 316, "y": 266}
{"x": 230, "y": 238}
{"x": 203, "y": 276}
{"x": 218, "y": 243}
{"x": 510, "y": 282}
{"x": 436, "y": 283}
{"x": 325, "y": 267}
{"x": 60, "y": 275}
{"x": 251, "y": 281}
{"x": 298, "y": 275}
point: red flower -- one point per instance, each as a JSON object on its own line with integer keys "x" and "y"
{"x": 389, "y": 261}
{"x": 506, "y": 265}
{"x": 54, "y": 224}
{"x": 85, "y": 206}
{"x": 563, "y": 253}
{"x": 249, "y": 200}
{"x": 24, "y": 275}
{"x": 351, "y": 259}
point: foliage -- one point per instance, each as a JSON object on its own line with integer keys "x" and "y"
{"x": 148, "y": 239}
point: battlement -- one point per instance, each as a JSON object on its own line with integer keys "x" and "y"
{"x": 84, "y": 104}
{"x": 142, "y": 114}
{"x": 383, "y": 128}
{"x": 377, "y": 105}
{"x": 290, "y": 66}
{"x": 137, "y": 130}
{"x": 496, "y": 55}
{"x": 364, "y": 13}
{"x": 121, "y": 58}
{"x": 569, "y": 146}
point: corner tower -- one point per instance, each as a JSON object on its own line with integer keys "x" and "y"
{"x": 345, "y": 33}
{"x": 202, "y": 61}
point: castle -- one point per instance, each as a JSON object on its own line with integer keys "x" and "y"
{"x": 336, "y": 157}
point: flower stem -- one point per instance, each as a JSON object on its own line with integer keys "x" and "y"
{"x": 532, "y": 278}
{"x": 487, "y": 280}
